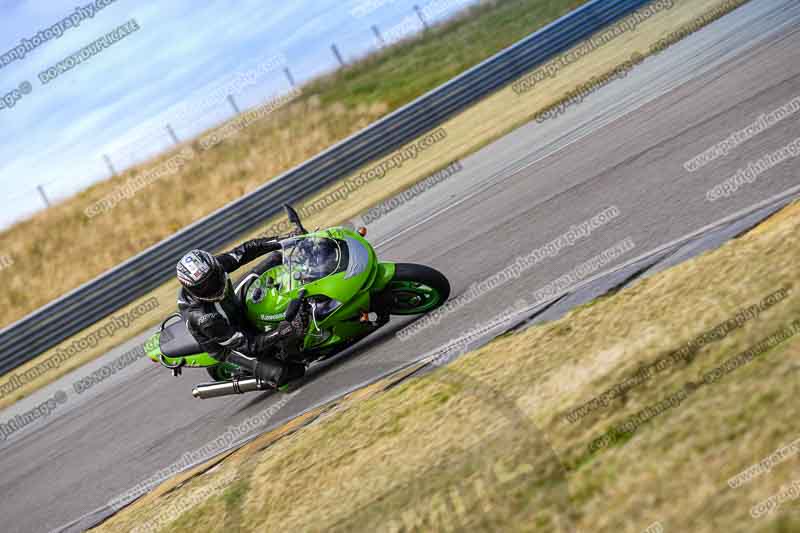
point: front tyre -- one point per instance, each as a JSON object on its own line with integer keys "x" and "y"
{"x": 416, "y": 289}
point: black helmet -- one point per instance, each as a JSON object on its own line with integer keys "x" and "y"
{"x": 202, "y": 276}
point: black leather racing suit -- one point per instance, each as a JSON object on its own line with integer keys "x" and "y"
{"x": 221, "y": 329}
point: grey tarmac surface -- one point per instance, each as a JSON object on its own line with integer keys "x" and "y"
{"x": 623, "y": 146}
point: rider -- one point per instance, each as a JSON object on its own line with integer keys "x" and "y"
{"x": 215, "y": 316}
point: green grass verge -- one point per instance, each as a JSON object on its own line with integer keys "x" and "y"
{"x": 409, "y": 69}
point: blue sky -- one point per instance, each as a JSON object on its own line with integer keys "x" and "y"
{"x": 119, "y": 101}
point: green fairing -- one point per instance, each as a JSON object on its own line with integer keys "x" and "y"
{"x": 353, "y": 292}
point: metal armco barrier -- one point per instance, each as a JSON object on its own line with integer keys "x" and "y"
{"x": 67, "y": 316}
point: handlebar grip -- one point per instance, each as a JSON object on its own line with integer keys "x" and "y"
{"x": 294, "y": 306}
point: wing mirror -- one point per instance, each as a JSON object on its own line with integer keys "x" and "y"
{"x": 294, "y": 218}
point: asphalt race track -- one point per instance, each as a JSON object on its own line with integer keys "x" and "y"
{"x": 623, "y": 146}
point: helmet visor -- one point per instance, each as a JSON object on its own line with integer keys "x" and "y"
{"x": 212, "y": 289}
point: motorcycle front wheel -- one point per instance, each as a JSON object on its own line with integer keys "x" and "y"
{"x": 417, "y": 289}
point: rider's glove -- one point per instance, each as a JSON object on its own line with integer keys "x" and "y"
{"x": 263, "y": 344}
{"x": 266, "y": 241}
{"x": 285, "y": 329}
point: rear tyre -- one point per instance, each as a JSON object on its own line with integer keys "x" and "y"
{"x": 417, "y": 289}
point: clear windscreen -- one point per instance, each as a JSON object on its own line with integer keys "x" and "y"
{"x": 308, "y": 259}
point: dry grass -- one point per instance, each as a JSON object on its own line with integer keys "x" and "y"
{"x": 239, "y": 165}
{"x": 480, "y": 445}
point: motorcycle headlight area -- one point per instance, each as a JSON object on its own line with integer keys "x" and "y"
{"x": 323, "y": 306}
{"x": 358, "y": 259}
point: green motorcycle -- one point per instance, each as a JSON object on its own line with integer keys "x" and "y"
{"x": 333, "y": 277}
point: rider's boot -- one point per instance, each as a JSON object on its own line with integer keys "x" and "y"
{"x": 294, "y": 371}
{"x": 269, "y": 369}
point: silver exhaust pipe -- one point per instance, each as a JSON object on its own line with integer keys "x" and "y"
{"x": 227, "y": 388}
